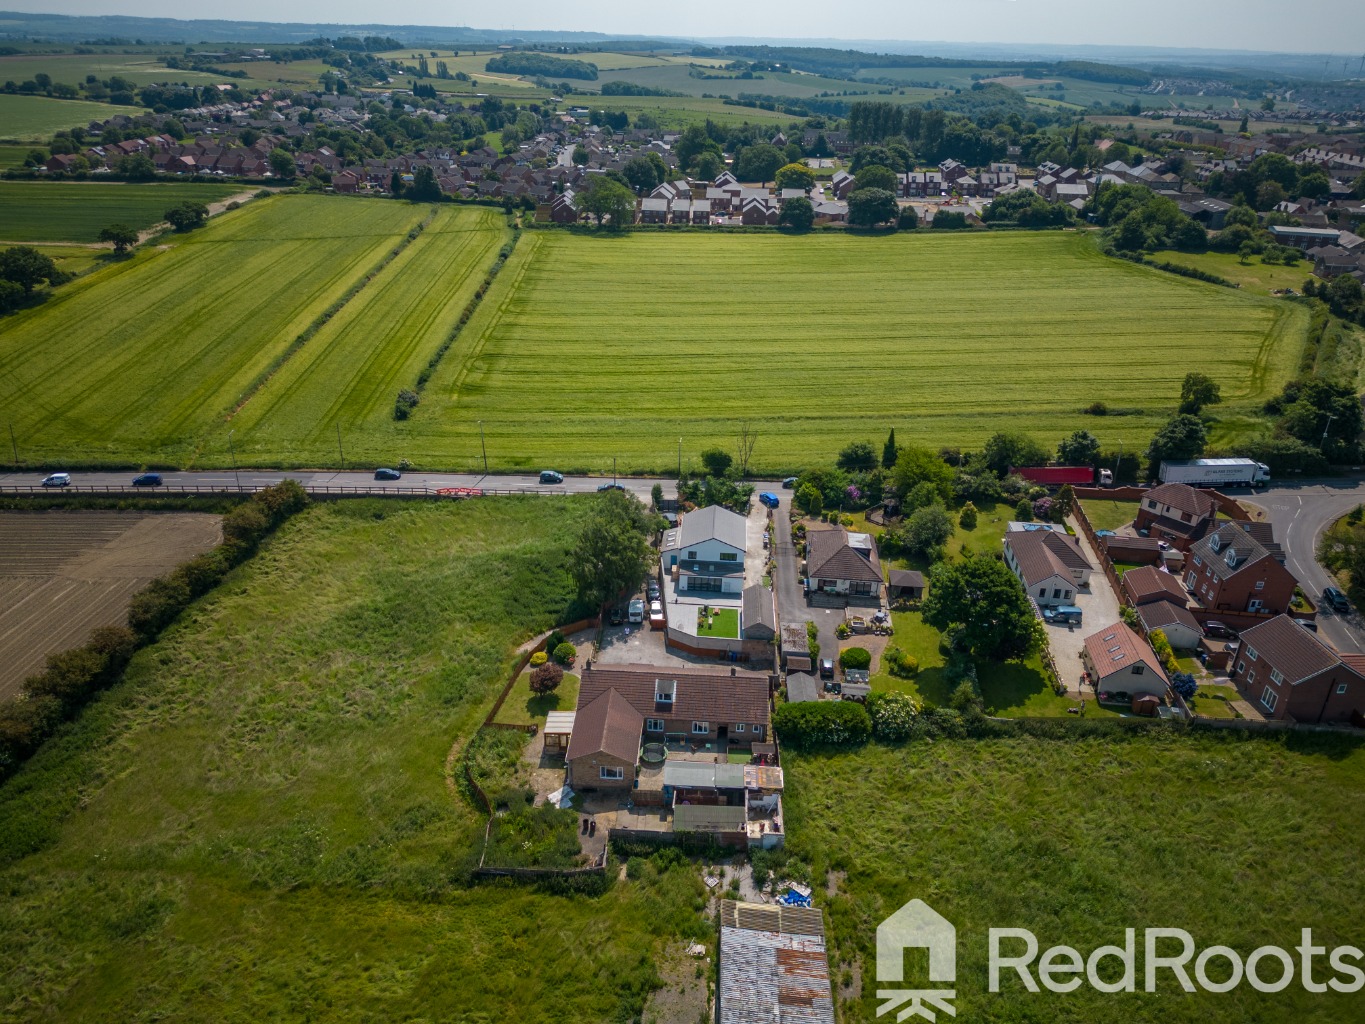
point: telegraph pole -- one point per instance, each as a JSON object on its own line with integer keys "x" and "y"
{"x": 15, "y": 445}
{"x": 484, "y": 447}
{"x": 340, "y": 450}
{"x": 680, "y": 458}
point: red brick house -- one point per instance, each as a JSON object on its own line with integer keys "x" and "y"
{"x": 1176, "y": 513}
{"x": 1295, "y": 677}
{"x": 622, "y": 707}
{"x": 1230, "y": 570}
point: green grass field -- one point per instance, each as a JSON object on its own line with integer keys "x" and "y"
{"x": 350, "y": 373}
{"x": 1262, "y": 278}
{"x": 24, "y": 118}
{"x": 13, "y": 155}
{"x": 58, "y": 211}
{"x": 71, "y": 68}
{"x": 1109, "y": 515}
{"x": 196, "y": 325}
{"x": 256, "y": 823}
{"x": 592, "y": 348}
{"x": 946, "y": 338}
{"x": 1078, "y": 839}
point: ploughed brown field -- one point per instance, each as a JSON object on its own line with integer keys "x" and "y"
{"x": 62, "y": 574}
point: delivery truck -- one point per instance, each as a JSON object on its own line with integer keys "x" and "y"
{"x": 1216, "y": 472}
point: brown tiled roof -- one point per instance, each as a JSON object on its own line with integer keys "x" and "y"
{"x": 1149, "y": 583}
{"x": 607, "y": 724}
{"x": 701, "y": 695}
{"x": 1116, "y": 647}
{"x": 1182, "y": 497}
{"x": 905, "y": 578}
{"x": 1296, "y": 652}
{"x": 830, "y": 557}
{"x": 1042, "y": 554}
{"x": 1160, "y": 614}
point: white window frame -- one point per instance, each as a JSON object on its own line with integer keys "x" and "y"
{"x": 654, "y": 725}
{"x": 1341, "y": 687}
{"x": 1241, "y": 667}
{"x": 1198, "y": 560}
{"x": 1276, "y": 676}
{"x": 758, "y": 729}
{"x": 1260, "y": 584}
{"x": 1251, "y": 676}
{"x": 609, "y": 774}
{"x": 740, "y": 727}
{"x": 701, "y": 728}
{"x": 1269, "y": 698}
{"x": 1251, "y": 653}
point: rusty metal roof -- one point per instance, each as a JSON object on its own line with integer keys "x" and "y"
{"x": 773, "y": 977}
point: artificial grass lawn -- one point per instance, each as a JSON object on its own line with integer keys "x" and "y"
{"x": 1109, "y": 515}
{"x": 75, "y": 211}
{"x": 524, "y": 707}
{"x": 1078, "y": 838}
{"x": 724, "y": 622}
{"x": 255, "y": 824}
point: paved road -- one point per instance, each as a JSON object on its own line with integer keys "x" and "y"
{"x": 248, "y": 478}
{"x": 1301, "y": 512}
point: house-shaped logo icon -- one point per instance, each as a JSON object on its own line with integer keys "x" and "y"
{"x": 917, "y": 926}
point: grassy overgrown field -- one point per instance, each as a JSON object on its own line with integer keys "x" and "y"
{"x": 256, "y": 825}
{"x": 1240, "y": 842}
{"x": 75, "y": 211}
{"x": 1262, "y": 278}
{"x": 35, "y": 118}
{"x": 588, "y": 349}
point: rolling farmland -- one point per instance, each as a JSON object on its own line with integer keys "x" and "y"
{"x": 37, "y": 117}
{"x": 633, "y": 342}
{"x": 591, "y": 348}
{"x": 350, "y": 372}
{"x": 63, "y": 574}
{"x": 76, "y": 211}
{"x": 197, "y": 325}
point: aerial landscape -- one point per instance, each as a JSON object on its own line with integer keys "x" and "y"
{"x": 588, "y": 517}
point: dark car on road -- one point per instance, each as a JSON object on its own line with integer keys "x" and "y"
{"x": 1336, "y": 600}
{"x": 147, "y": 480}
{"x": 550, "y": 476}
{"x": 616, "y": 617}
{"x": 789, "y": 482}
{"x": 1218, "y": 630}
{"x": 826, "y": 668}
{"x": 652, "y": 590}
{"x": 611, "y": 487}
{"x": 387, "y": 474}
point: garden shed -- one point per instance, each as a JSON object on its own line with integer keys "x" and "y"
{"x": 904, "y": 585}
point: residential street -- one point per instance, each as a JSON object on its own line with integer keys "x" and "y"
{"x": 1301, "y": 511}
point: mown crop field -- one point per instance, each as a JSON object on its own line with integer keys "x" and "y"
{"x": 71, "y": 68}
{"x": 594, "y": 347}
{"x": 351, "y": 371}
{"x": 37, "y": 117}
{"x": 137, "y": 361}
{"x": 75, "y": 211}
{"x": 256, "y": 824}
{"x": 1076, "y": 839}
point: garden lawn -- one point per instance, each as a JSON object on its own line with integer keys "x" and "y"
{"x": 1109, "y": 515}
{"x": 1077, "y": 839}
{"x": 197, "y": 326}
{"x": 1003, "y": 349}
{"x": 525, "y": 707}
{"x": 724, "y": 622}
{"x": 36, "y": 118}
{"x": 1213, "y": 701}
{"x": 256, "y": 823}
{"x": 75, "y": 211}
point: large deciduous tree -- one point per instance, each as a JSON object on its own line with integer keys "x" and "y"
{"x": 606, "y": 198}
{"x": 982, "y": 597}
{"x": 1008, "y": 449}
{"x": 759, "y": 163}
{"x": 1082, "y": 448}
{"x": 121, "y": 235}
{"x": 869, "y": 207}
{"x": 797, "y": 213}
{"x": 187, "y": 215}
{"x": 281, "y": 163}
{"x": 795, "y": 176}
{"x": 612, "y": 554}
{"x": 1182, "y": 437}
{"x": 1197, "y": 391}
{"x": 26, "y": 267}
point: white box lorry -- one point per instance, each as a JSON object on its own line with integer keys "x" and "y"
{"x": 1216, "y": 472}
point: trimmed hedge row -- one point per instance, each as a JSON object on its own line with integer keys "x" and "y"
{"x": 72, "y": 677}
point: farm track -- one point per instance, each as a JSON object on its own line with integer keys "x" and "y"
{"x": 63, "y": 574}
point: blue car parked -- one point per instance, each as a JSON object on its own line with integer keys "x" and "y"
{"x": 768, "y": 498}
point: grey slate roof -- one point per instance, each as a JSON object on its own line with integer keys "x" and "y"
{"x": 714, "y": 523}
{"x": 759, "y": 611}
{"x": 830, "y": 557}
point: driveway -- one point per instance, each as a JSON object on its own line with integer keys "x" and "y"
{"x": 1099, "y": 606}
{"x": 1301, "y": 511}
{"x": 791, "y": 596}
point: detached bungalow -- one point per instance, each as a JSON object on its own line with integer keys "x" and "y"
{"x": 1119, "y": 660}
{"x": 845, "y": 565}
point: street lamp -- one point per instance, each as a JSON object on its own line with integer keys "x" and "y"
{"x": 232, "y": 448}
{"x": 1330, "y": 418}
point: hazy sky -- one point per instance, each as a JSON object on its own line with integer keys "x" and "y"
{"x": 1308, "y": 25}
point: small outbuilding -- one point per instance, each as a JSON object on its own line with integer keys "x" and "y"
{"x": 904, "y": 585}
{"x": 802, "y": 686}
{"x": 759, "y": 615}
